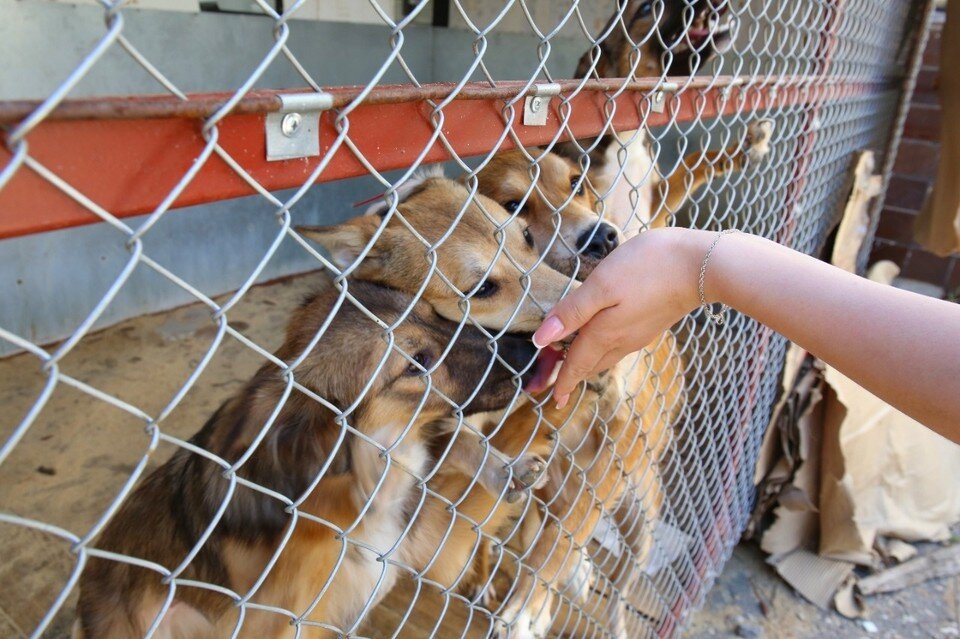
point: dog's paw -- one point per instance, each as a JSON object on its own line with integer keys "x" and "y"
{"x": 528, "y": 474}
{"x": 758, "y": 137}
{"x": 522, "y": 628}
{"x": 490, "y": 597}
{"x": 480, "y": 592}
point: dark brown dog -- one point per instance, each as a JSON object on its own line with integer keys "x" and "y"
{"x": 647, "y": 40}
{"x": 644, "y": 39}
{"x": 318, "y": 493}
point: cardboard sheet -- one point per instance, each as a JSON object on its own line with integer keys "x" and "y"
{"x": 883, "y": 475}
{"x": 797, "y": 517}
{"x": 855, "y": 223}
{"x": 814, "y": 577}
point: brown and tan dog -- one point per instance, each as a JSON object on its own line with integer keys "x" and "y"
{"x": 484, "y": 263}
{"x": 442, "y": 543}
{"x": 607, "y": 485}
{"x": 560, "y": 208}
{"x": 645, "y": 39}
{"x": 652, "y": 383}
{"x": 318, "y": 494}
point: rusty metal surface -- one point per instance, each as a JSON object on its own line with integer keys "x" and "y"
{"x": 128, "y": 165}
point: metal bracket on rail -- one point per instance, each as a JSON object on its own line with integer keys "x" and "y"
{"x": 536, "y": 107}
{"x": 294, "y": 131}
{"x": 658, "y": 100}
{"x": 727, "y": 90}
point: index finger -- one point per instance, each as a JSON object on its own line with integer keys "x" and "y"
{"x": 573, "y": 311}
{"x": 589, "y": 347}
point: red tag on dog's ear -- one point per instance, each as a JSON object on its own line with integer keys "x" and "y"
{"x": 407, "y": 186}
{"x": 371, "y": 200}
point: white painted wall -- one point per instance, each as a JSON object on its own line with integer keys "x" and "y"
{"x": 356, "y": 11}
{"x": 191, "y": 6}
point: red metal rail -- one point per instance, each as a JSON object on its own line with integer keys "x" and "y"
{"x": 127, "y": 154}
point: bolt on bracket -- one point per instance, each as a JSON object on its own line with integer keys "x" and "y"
{"x": 536, "y": 107}
{"x": 294, "y": 131}
{"x": 658, "y": 99}
{"x": 727, "y": 91}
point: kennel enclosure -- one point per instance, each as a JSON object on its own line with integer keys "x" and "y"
{"x": 157, "y": 158}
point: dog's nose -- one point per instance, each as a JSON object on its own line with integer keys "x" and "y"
{"x": 602, "y": 242}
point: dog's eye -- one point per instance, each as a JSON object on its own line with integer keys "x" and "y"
{"x": 486, "y": 289}
{"x": 644, "y": 9}
{"x": 423, "y": 358}
{"x": 512, "y": 206}
{"x": 528, "y": 236}
{"x": 573, "y": 185}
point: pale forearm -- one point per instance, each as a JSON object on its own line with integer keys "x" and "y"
{"x": 903, "y": 347}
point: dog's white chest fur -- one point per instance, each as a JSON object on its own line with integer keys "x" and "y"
{"x": 364, "y": 574}
{"x": 628, "y": 171}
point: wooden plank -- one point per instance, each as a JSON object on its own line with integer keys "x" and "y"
{"x": 941, "y": 563}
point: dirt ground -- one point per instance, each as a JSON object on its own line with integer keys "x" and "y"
{"x": 750, "y": 600}
{"x": 78, "y": 454}
{"x": 80, "y": 451}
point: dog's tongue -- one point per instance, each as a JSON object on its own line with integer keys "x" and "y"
{"x": 548, "y": 361}
{"x": 698, "y": 35}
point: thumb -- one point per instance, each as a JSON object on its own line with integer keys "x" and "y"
{"x": 572, "y": 312}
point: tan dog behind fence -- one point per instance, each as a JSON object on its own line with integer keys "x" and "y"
{"x": 488, "y": 259}
{"x": 607, "y": 491}
{"x": 560, "y": 212}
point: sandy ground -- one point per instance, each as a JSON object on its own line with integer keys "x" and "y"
{"x": 80, "y": 451}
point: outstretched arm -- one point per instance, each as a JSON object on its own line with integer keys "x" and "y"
{"x": 902, "y": 347}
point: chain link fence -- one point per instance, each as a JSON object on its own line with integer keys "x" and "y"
{"x": 386, "y": 459}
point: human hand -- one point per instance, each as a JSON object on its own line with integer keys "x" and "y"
{"x": 635, "y": 294}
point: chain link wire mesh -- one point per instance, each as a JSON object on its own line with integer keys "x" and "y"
{"x": 381, "y": 466}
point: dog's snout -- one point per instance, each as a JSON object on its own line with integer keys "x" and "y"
{"x": 517, "y": 350}
{"x": 499, "y": 387}
{"x": 600, "y": 243}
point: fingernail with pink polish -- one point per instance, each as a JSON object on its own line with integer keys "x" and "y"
{"x": 562, "y": 400}
{"x": 549, "y": 331}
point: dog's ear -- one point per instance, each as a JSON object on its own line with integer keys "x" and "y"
{"x": 346, "y": 241}
{"x": 295, "y": 448}
{"x": 410, "y": 186}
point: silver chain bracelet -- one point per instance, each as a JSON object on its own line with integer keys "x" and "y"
{"x": 717, "y": 317}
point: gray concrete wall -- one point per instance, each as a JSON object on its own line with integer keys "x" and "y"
{"x": 49, "y": 282}
{"x": 42, "y": 42}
